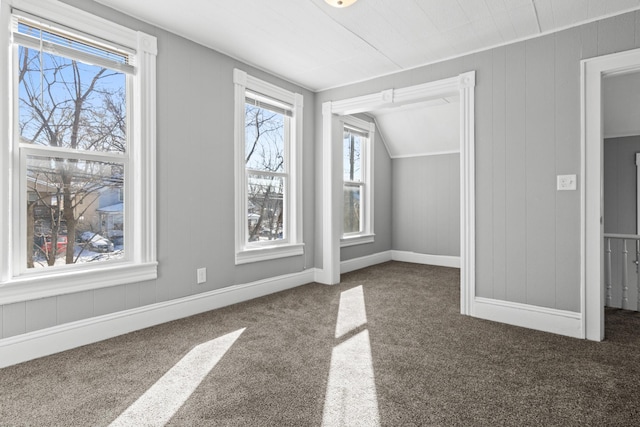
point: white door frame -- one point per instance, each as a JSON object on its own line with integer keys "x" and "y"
{"x": 592, "y": 71}
{"x": 463, "y": 86}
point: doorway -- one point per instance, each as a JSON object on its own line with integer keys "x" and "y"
{"x": 462, "y": 86}
{"x": 593, "y": 291}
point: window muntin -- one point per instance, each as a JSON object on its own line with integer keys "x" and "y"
{"x": 268, "y": 198}
{"x": 67, "y": 108}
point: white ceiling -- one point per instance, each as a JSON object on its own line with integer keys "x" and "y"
{"x": 318, "y": 46}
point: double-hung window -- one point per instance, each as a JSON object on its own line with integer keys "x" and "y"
{"x": 78, "y": 137}
{"x": 268, "y": 137}
{"x": 357, "y": 164}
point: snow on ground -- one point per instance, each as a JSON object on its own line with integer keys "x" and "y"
{"x": 86, "y": 255}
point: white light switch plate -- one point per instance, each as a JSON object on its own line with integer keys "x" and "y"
{"x": 567, "y": 182}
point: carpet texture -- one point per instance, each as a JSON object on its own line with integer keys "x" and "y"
{"x": 431, "y": 366}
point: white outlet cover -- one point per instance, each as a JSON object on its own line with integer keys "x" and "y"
{"x": 567, "y": 182}
{"x": 202, "y": 275}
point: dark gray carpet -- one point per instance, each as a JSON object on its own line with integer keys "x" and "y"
{"x": 432, "y": 366}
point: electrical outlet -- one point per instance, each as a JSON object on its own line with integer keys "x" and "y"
{"x": 567, "y": 182}
{"x": 202, "y": 275}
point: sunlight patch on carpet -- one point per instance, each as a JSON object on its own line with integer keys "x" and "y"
{"x": 351, "y": 391}
{"x": 158, "y": 404}
{"x": 351, "y": 398}
{"x": 351, "y": 311}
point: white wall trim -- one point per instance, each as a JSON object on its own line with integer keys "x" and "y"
{"x": 44, "y": 342}
{"x": 417, "y": 258}
{"x": 568, "y": 323}
{"x": 365, "y": 261}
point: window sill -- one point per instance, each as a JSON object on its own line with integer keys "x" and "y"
{"x": 360, "y": 239}
{"x": 269, "y": 252}
{"x": 30, "y": 287}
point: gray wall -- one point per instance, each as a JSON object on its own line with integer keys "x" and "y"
{"x": 426, "y": 204}
{"x": 620, "y": 209}
{"x": 620, "y": 184}
{"x": 382, "y": 206}
{"x": 195, "y": 195}
{"x": 527, "y": 131}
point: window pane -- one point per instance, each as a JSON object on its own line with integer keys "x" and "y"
{"x": 265, "y": 207}
{"x": 65, "y": 103}
{"x": 352, "y": 218}
{"x": 352, "y": 156}
{"x": 264, "y": 139}
{"x": 74, "y": 214}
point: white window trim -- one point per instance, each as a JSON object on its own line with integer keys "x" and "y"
{"x": 141, "y": 264}
{"x": 293, "y": 245}
{"x": 367, "y": 234}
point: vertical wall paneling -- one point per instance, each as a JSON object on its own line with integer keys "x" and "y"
{"x": 1, "y": 322}
{"x": 452, "y": 245}
{"x": 14, "y": 319}
{"x": 132, "y": 295}
{"x": 589, "y": 40}
{"x": 499, "y": 176}
{"x": 637, "y": 33}
{"x": 183, "y": 186}
{"x": 148, "y": 293}
{"x": 41, "y": 313}
{"x": 425, "y": 208}
{"x": 426, "y": 204}
{"x": 567, "y": 88}
{"x": 516, "y": 196}
{"x": 109, "y": 300}
{"x": 541, "y": 171}
{"x": 484, "y": 171}
{"x": 72, "y": 307}
{"x": 616, "y": 34}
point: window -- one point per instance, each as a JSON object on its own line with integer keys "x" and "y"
{"x": 357, "y": 161}
{"x": 268, "y": 136}
{"x": 79, "y": 120}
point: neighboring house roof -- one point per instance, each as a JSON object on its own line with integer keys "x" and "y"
{"x": 115, "y": 208}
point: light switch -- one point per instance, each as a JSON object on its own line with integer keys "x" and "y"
{"x": 567, "y": 182}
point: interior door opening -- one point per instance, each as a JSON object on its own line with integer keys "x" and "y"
{"x": 593, "y": 290}
{"x": 621, "y": 151}
{"x": 461, "y": 86}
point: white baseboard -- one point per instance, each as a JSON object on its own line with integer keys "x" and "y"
{"x": 560, "y": 322}
{"x": 365, "y": 261}
{"x": 416, "y": 258}
{"x": 59, "y": 338}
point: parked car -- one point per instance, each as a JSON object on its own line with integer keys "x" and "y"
{"x": 96, "y": 242}
{"x": 43, "y": 243}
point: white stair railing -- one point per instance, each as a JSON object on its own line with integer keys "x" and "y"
{"x": 624, "y": 274}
